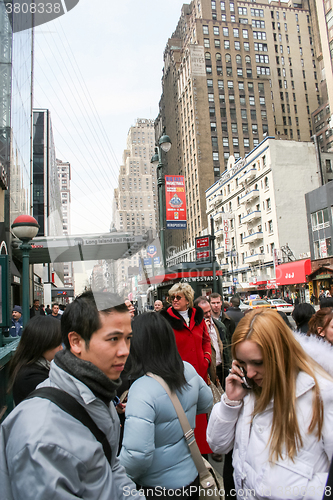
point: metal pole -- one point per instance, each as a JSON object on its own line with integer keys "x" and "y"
{"x": 160, "y": 184}
{"x": 212, "y": 243}
{"x": 25, "y": 247}
{"x": 232, "y": 271}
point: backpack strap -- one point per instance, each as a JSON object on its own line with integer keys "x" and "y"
{"x": 71, "y": 406}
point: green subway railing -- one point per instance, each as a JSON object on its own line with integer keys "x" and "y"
{"x": 6, "y": 353}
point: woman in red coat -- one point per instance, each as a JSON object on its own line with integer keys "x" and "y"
{"x": 193, "y": 342}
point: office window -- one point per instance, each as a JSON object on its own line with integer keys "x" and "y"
{"x": 215, "y": 156}
{"x": 225, "y": 142}
{"x": 225, "y": 31}
{"x": 227, "y": 44}
{"x": 243, "y": 114}
{"x": 246, "y": 143}
{"x": 206, "y": 43}
{"x": 235, "y": 141}
{"x": 211, "y": 97}
{"x": 220, "y": 84}
{"x": 236, "y": 32}
{"x": 238, "y": 59}
{"x": 247, "y": 46}
{"x": 213, "y": 126}
{"x": 251, "y": 100}
{"x": 254, "y": 128}
{"x": 209, "y": 83}
{"x": 237, "y": 45}
{"x": 207, "y": 56}
{"x": 205, "y": 30}
{"x": 217, "y": 44}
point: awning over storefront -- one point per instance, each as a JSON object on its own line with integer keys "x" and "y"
{"x": 293, "y": 273}
{"x": 324, "y": 272}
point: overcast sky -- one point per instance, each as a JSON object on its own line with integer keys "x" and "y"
{"x": 97, "y": 69}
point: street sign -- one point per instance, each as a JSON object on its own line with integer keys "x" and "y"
{"x": 151, "y": 251}
{"x": 202, "y": 249}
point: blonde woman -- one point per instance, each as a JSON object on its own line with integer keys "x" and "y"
{"x": 281, "y": 428}
{"x": 193, "y": 342}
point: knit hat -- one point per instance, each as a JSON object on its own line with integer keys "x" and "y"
{"x": 18, "y": 309}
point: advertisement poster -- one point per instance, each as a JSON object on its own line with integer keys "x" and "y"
{"x": 175, "y": 200}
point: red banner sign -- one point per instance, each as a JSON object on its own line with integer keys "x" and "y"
{"x": 175, "y": 200}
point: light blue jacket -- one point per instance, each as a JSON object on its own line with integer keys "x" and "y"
{"x": 154, "y": 450}
{"x": 47, "y": 454}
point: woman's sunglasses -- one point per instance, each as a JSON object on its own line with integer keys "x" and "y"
{"x": 176, "y": 297}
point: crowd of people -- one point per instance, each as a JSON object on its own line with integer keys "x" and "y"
{"x": 92, "y": 370}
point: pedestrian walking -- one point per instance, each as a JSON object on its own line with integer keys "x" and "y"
{"x": 280, "y": 428}
{"x": 193, "y": 342}
{"x": 69, "y": 452}
{"x": 30, "y": 365}
{"x": 154, "y": 452}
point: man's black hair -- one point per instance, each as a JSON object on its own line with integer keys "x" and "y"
{"x": 326, "y": 302}
{"x": 302, "y": 313}
{"x": 83, "y": 314}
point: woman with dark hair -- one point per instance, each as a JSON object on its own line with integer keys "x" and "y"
{"x": 302, "y": 314}
{"x": 280, "y": 427}
{"x": 321, "y": 324}
{"x": 30, "y": 365}
{"x": 154, "y": 452}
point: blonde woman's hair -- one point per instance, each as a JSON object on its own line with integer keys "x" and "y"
{"x": 283, "y": 359}
{"x": 185, "y": 289}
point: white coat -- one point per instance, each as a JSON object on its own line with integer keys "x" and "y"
{"x": 257, "y": 478}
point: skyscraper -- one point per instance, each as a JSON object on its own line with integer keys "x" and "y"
{"x": 234, "y": 73}
{"x": 135, "y": 199}
{"x": 64, "y": 176}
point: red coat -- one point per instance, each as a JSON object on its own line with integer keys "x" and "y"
{"x": 194, "y": 346}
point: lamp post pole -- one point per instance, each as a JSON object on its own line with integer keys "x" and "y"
{"x": 25, "y": 247}
{"x": 164, "y": 144}
{"x": 161, "y": 187}
{"x": 212, "y": 239}
{"x": 25, "y": 228}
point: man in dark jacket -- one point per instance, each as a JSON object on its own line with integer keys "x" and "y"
{"x": 234, "y": 312}
{"x": 218, "y": 313}
{"x": 36, "y": 310}
{"x": 17, "y": 322}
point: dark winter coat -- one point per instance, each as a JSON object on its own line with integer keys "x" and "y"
{"x": 26, "y": 381}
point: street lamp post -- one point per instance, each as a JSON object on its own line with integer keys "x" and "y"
{"x": 25, "y": 228}
{"x": 212, "y": 237}
{"x": 164, "y": 144}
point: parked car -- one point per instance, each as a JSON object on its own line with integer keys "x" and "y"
{"x": 256, "y": 303}
{"x": 281, "y": 305}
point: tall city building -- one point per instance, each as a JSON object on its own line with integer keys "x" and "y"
{"x": 64, "y": 176}
{"x": 322, "y": 17}
{"x": 135, "y": 198}
{"x": 46, "y": 200}
{"x": 259, "y": 212}
{"x": 16, "y": 55}
{"x": 234, "y": 73}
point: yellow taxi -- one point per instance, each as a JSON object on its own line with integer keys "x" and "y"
{"x": 257, "y": 303}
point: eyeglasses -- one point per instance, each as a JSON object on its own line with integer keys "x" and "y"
{"x": 176, "y": 297}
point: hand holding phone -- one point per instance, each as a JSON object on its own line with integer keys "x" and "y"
{"x": 237, "y": 385}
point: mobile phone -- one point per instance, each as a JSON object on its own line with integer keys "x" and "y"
{"x": 246, "y": 382}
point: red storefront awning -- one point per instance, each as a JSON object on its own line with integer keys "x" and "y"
{"x": 293, "y": 273}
